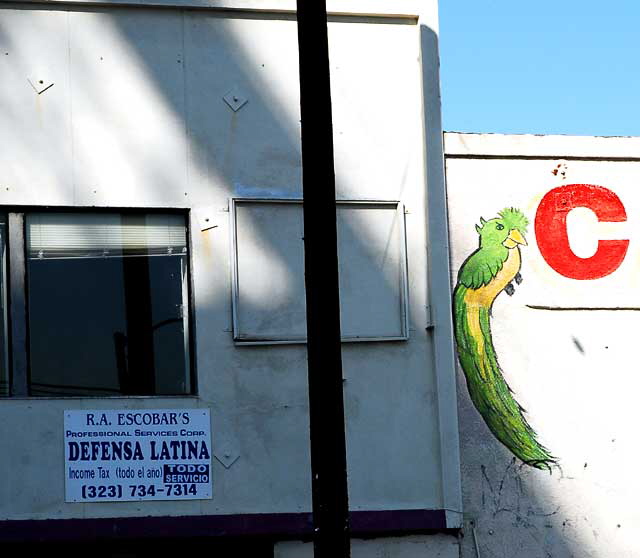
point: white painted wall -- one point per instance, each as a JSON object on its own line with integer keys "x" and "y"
{"x": 574, "y": 371}
{"x": 135, "y": 117}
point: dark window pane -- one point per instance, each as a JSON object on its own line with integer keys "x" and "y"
{"x": 105, "y": 324}
{"x": 4, "y": 362}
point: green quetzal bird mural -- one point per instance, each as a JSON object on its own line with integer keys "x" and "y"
{"x": 487, "y": 272}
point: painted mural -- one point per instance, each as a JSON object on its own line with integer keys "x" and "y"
{"x": 492, "y": 268}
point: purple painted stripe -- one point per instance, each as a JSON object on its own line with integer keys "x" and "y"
{"x": 397, "y": 521}
{"x": 276, "y": 525}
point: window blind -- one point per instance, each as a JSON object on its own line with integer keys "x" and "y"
{"x": 95, "y": 235}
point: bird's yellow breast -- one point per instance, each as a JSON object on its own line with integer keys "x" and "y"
{"x": 484, "y": 296}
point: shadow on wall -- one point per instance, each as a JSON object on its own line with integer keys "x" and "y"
{"x": 509, "y": 509}
{"x": 200, "y": 147}
{"x": 255, "y": 152}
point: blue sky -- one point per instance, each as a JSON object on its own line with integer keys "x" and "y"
{"x": 544, "y": 67}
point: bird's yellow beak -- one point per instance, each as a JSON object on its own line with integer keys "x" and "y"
{"x": 514, "y": 238}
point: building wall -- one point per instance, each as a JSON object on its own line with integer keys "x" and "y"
{"x": 128, "y": 110}
{"x": 413, "y": 546}
{"x": 565, "y": 341}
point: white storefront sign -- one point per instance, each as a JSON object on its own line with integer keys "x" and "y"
{"x": 126, "y": 455}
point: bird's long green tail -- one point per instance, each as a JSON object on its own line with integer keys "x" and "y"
{"x": 489, "y": 391}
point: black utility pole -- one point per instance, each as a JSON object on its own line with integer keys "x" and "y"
{"x": 326, "y": 408}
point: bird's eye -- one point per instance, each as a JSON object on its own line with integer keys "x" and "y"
{"x": 499, "y": 226}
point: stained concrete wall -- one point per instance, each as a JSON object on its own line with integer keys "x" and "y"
{"x": 567, "y": 347}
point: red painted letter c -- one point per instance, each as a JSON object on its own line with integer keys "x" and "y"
{"x": 553, "y": 240}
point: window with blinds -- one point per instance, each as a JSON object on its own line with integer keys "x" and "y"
{"x": 77, "y": 235}
{"x": 107, "y": 304}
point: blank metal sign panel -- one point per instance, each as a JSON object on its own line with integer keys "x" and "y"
{"x": 268, "y": 280}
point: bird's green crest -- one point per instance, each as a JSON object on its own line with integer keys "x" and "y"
{"x": 510, "y": 217}
{"x": 514, "y": 219}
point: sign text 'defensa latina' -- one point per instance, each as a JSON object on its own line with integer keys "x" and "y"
{"x": 129, "y": 455}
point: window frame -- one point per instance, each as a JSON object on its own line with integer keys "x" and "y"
{"x": 18, "y": 310}
{"x": 404, "y": 304}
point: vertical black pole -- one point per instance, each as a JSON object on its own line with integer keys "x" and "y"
{"x": 326, "y": 408}
{"x": 18, "y": 306}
